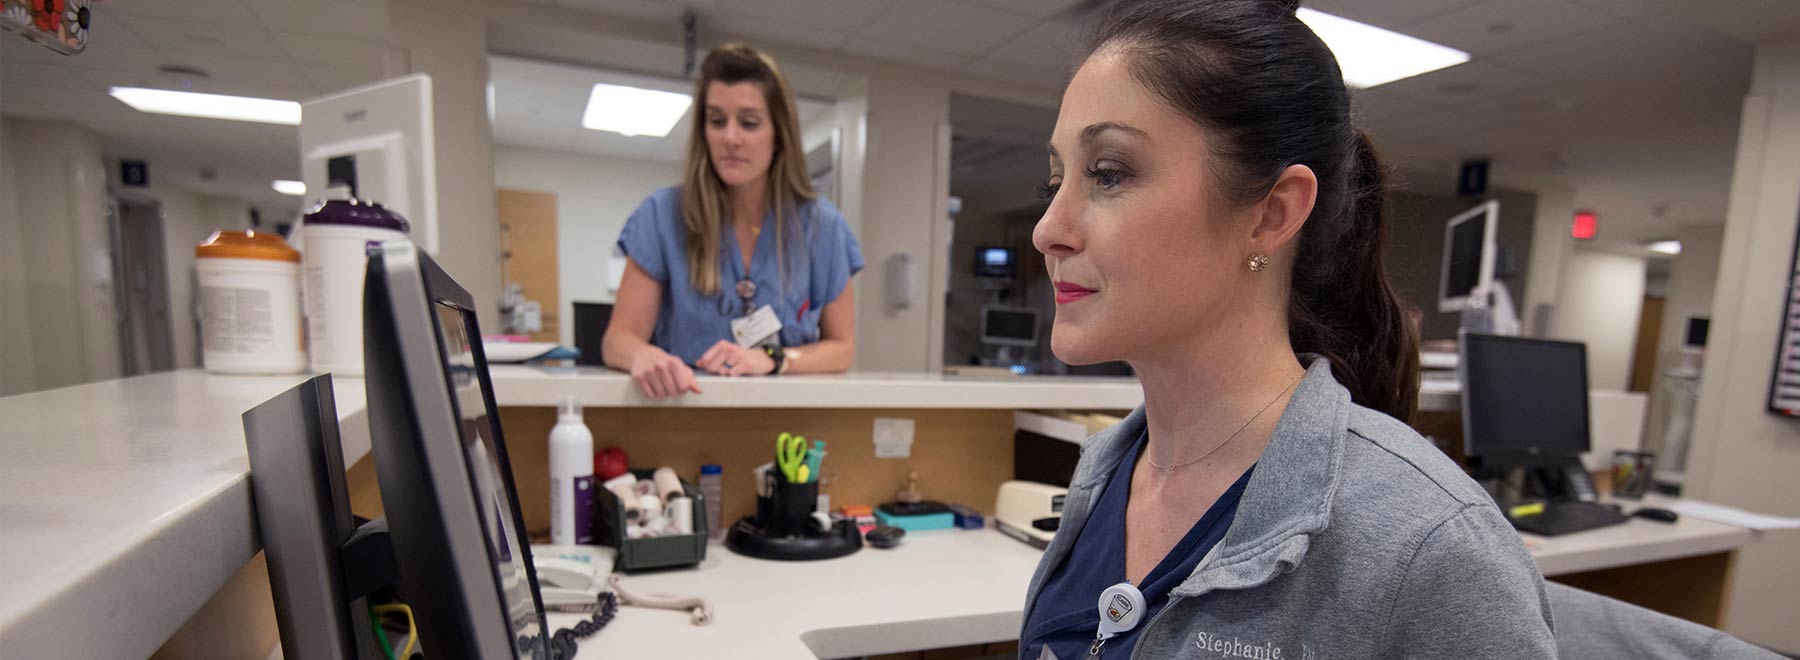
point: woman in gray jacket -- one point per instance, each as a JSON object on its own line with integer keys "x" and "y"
{"x": 1216, "y": 221}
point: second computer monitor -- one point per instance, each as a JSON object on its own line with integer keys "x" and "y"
{"x": 1468, "y": 269}
{"x": 1525, "y": 401}
{"x": 1009, "y": 326}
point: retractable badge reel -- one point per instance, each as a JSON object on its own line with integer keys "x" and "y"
{"x": 1121, "y": 607}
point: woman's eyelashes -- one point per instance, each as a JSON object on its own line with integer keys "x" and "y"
{"x": 1047, "y": 190}
{"x": 1106, "y": 176}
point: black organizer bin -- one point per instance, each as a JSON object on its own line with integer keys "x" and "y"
{"x": 655, "y": 552}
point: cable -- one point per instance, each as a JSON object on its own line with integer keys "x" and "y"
{"x": 380, "y": 635}
{"x": 412, "y": 628}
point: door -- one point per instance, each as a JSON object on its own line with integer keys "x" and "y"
{"x": 528, "y": 259}
{"x": 1649, "y": 336}
{"x": 146, "y": 342}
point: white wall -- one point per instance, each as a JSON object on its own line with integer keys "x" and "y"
{"x": 18, "y": 368}
{"x": 447, "y": 39}
{"x": 1743, "y": 455}
{"x": 1598, "y": 303}
{"x": 1689, "y": 293}
{"x": 594, "y": 196}
{"x": 65, "y": 253}
{"x": 1550, "y": 248}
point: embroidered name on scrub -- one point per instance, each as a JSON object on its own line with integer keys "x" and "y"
{"x": 1233, "y": 648}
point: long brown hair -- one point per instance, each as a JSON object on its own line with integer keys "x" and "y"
{"x": 704, "y": 210}
{"x": 1260, "y": 78}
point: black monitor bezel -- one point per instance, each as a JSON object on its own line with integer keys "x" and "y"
{"x": 431, "y": 507}
{"x": 1531, "y": 457}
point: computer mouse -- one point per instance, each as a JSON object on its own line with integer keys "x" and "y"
{"x": 884, "y": 536}
{"x": 1653, "y": 513}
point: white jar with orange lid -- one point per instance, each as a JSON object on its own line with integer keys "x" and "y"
{"x": 249, "y": 292}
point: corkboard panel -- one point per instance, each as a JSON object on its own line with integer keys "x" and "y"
{"x": 961, "y": 455}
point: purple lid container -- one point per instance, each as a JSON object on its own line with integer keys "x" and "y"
{"x": 353, "y": 213}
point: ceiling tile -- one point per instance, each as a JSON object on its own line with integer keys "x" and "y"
{"x": 643, "y": 10}
{"x": 1623, "y": 55}
{"x": 210, "y": 12}
{"x": 20, "y": 50}
{"x": 47, "y": 75}
{"x": 1697, "y": 35}
{"x": 1509, "y": 25}
{"x": 340, "y": 53}
{"x": 755, "y": 27}
{"x": 344, "y": 19}
{"x": 1430, "y": 126}
{"x": 1390, "y": 14}
{"x": 842, "y": 16}
{"x": 906, "y": 55}
{"x": 945, "y": 25}
{"x": 1051, "y": 44}
{"x": 1632, "y": 9}
{"x": 14, "y": 105}
{"x": 1371, "y": 105}
{"x": 1471, "y": 81}
{"x": 326, "y": 80}
{"x": 1034, "y": 8}
{"x": 173, "y": 36}
{"x": 1015, "y": 75}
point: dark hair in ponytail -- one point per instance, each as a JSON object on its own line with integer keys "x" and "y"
{"x": 1250, "y": 71}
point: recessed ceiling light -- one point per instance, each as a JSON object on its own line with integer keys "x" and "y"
{"x": 1665, "y": 247}
{"x": 634, "y": 111}
{"x": 287, "y": 187}
{"x": 1371, "y": 56}
{"x": 210, "y": 106}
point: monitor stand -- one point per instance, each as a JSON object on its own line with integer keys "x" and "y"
{"x": 1512, "y": 484}
{"x": 322, "y": 565}
{"x": 1491, "y": 312}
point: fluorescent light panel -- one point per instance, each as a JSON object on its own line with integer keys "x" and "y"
{"x": 1371, "y": 56}
{"x": 634, "y": 111}
{"x": 210, "y": 106}
{"x": 1666, "y": 247}
{"x": 287, "y": 187}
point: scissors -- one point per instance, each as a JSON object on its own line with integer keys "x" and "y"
{"x": 790, "y": 455}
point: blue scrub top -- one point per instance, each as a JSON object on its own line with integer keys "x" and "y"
{"x": 1067, "y": 616}
{"x": 821, "y": 257}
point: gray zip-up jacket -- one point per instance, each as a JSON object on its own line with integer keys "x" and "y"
{"x": 1355, "y": 538}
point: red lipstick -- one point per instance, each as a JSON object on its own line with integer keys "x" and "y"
{"x": 1067, "y": 292}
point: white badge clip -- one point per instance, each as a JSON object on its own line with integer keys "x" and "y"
{"x": 1121, "y": 607}
{"x": 757, "y": 328}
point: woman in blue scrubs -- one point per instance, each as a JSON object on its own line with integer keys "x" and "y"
{"x": 741, "y": 270}
{"x": 1217, "y": 221}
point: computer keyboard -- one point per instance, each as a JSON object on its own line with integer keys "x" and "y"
{"x": 1569, "y": 517}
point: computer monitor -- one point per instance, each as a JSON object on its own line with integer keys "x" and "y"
{"x": 1468, "y": 269}
{"x": 1001, "y": 262}
{"x": 383, "y": 132}
{"x": 1009, "y": 326}
{"x": 446, "y": 482}
{"x": 1525, "y": 401}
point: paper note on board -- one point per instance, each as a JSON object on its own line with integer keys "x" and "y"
{"x": 893, "y": 437}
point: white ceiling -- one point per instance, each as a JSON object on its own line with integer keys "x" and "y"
{"x": 539, "y": 105}
{"x": 265, "y": 48}
{"x": 1633, "y": 103}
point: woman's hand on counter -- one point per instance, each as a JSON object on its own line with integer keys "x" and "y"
{"x": 729, "y": 359}
{"x": 660, "y": 375}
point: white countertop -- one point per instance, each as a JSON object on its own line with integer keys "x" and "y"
{"x": 1638, "y": 541}
{"x": 956, "y": 588}
{"x": 522, "y": 385}
{"x": 937, "y": 589}
{"x": 124, "y": 505}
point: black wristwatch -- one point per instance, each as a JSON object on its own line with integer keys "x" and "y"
{"x": 778, "y": 354}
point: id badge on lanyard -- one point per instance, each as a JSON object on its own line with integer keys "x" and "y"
{"x": 759, "y": 325}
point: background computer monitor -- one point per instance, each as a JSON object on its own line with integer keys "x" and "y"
{"x": 446, "y": 482}
{"x": 385, "y": 128}
{"x": 1001, "y": 262}
{"x": 1009, "y": 326}
{"x": 1468, "y": 256}
{"x": 591, "y": 320}
{"x": 1525, "y": 401}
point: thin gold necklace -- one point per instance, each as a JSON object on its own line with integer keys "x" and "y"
{"x": 1234, "y": 435}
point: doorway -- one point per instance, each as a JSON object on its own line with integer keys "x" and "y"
{"x": 142, "y": 275}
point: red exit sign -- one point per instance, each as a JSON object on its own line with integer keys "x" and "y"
{"x": 1585, "y": 226}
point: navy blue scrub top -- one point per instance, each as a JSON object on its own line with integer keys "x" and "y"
{"x": 821, "y": 257}
{"x": 1067, "y": 616}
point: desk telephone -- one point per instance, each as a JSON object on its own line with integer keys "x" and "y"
{"x": 573, "y": 578}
